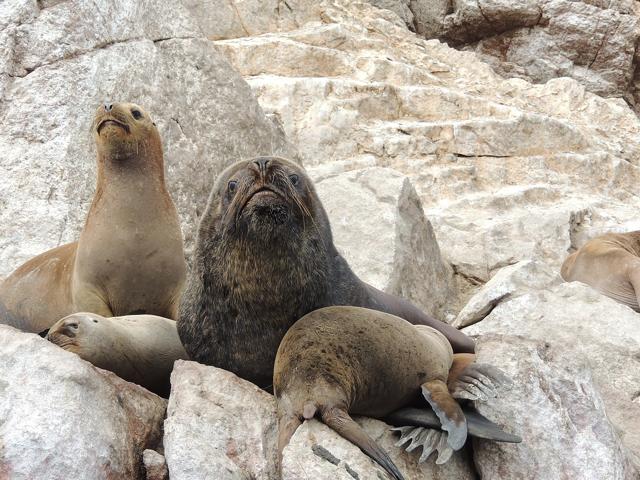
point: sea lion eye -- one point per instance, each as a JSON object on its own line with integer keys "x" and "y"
{"x": 294, "y": 179}
{"x": 232, "y": 186}
{"x": 137, "y": 114}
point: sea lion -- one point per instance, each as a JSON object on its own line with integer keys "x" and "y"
{"x": 138, "y": 348}
{"x": 264, "y": 258}
{"x": 610, "y": 264}
{"x": 339, "y": 360}
{"x": 129, "y": 257}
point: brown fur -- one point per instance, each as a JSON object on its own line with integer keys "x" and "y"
{"x": 129, "y": 257}
{"x": 264, "y": 258}
{"x": 338, "y": 361}
{"x": 610, "y": 264}
{"x": 138, "y": 348}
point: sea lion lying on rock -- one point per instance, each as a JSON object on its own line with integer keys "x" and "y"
{"x": 610, "y": 264}
{"x": 129, "y": 257}
{"x": 138, "y": 348}
{"x": 264, "y": 258}
{"x": 338, "y": 361}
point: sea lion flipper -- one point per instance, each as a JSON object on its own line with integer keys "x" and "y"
{"x": 340, "y": 421}
{"x": 448, "y": 411}
{"x": 429, "y": 439}
{"x": 287, "y": 426}
{"x": 478, "y": 381}
{"x": 481, "y": 427}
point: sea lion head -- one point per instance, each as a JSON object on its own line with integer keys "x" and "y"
{"x": 71, "y": 332}
{"x": 125, "y": 130}
{"x": 264, "y": 199}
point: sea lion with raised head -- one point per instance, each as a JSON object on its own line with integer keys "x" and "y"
{"x": 610, "y": 264}
{"x": 129, "y": 257}
{"x": 138, "y": 348}
{"x": 264, "y": 258}
{"x": 338, "y": 361}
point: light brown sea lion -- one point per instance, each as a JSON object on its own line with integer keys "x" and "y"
{"x": 129, "y": 257}
{"x": 138, "y": 348}
{"x": 264, "y": 258}
{"x": 610, "y": 264}
{"x": 338, "y": 361}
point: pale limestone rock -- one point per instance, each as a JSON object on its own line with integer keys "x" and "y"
{"x": 62, "y": 418}
{"x": 315, "y": 451}
{"x": 506, "y": 284}
{"x": 205, "y": 112}
{"x": 218, "y": 426}
{"x": 155, "y": 465}
{"x": 380, "y": 228}
{"x": 503, "y": 167}
{"x": 573, "y": 354}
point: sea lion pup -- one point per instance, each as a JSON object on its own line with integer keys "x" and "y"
{"x": 138, "y": 348}
{"x": 264, "y": 258}
{"x": 129, "y": 257}
{"x": 610, "y": 264}
{"x": 341, "y": 360}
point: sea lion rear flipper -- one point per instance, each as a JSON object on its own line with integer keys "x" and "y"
{"x": 429, "y": 439}
{"x": 340, "y": 421}
{"x": 408, "y": 419}
{"x": 477, "y": 381}
{"x": 448, "y": 411}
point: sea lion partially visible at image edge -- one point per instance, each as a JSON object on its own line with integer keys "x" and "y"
{"x": 129, "y": 257}
{"x": 264, "y": 258}
{"x": 610, "y": 264}
{"x": 138, "y": 348}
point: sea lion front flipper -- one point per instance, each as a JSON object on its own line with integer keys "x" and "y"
{"x": 448, "y": 411}
{"x": 340, "y": 421}
{"x": 477, "y": 381}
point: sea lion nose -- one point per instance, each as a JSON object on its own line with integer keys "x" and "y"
{"x": 108, "y": 107}
{"x": 262, "y": 164}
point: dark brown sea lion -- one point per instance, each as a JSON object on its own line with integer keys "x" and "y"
{"x": 138, "y": 348}
{"x": 610, "y": 264}
{"x": 340, "y": 360}
{"x": 129, "y": 257}
{"x": 264, "y": 258}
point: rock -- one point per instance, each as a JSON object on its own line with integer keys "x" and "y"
{"x": 315, "y": 451}
{"x": 399, "y": 7}
{"x": 218, "y": 426}
{"x": 573, "y": 356}
{"x": 506, "y": 284}
{"x": 62, "y": 418}
{"x": 592, "y": 42}
{"x": 155, "y": 465}
{"x": 205, "y": 112}
{"x": 379, "y": 226}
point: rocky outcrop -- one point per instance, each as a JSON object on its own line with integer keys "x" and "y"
{"x": 60, "y": 60}
{"x": 62, "y": 418}
{"x": 386, "y": 238}
{"x": 572, "y": 354}
{"x": 594, "y": 42}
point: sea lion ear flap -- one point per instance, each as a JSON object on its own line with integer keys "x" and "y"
{"x": 448, "y": 411}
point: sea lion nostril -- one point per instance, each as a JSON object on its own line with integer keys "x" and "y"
{"x": 108, "y": 107}
{"x": 261, "y": 163}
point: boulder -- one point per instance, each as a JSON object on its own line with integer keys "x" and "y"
{"x": 62, "y": 418}
{"x": 506, "y": 284}
{"x": 379, "y": 226}
{"x": 573, "y": 356}
{"x": 218, "y": 426}
{"x": 315, "y": 451}
{"x": 206, "y": 113}
{"x": 155, "y": 465}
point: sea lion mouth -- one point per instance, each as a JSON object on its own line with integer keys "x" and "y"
{"x": 262, "y": 191}
{"x": 62, "y": 340}
{"x": 112, "y": 121}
